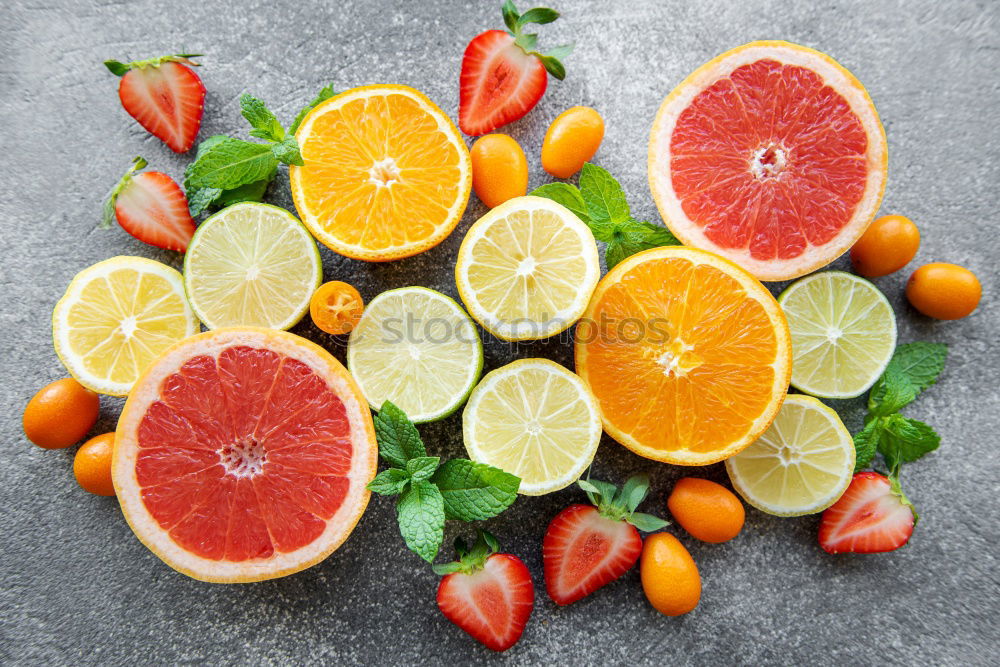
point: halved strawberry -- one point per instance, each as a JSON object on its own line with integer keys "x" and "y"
{"x": 587, "y": 547}
{"x": 164, "y": 95}
{"x": 487, "y": 594}
{"x": 503, "y": 76}
{"x": 151, "y": 207}
{"x": 872, "y": 516}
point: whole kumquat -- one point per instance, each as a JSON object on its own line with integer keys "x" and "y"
{"x": 708, "y": 511}
{"x": 887, "y": 246}
{"x": 92, "y": 465}
{"x": 944, "y": 291}
{"x": 571, "y": 140}
{"x": 60, "y": 414}
{"x": 669, "y": 576}
{"x": 336, "y": 307}
{"x": 499, "y": 169}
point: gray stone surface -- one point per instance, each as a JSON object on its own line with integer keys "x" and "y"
{"x": 77, "y": 587}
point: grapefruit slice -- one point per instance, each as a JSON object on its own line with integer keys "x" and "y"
{"x": 771, "y": 155}
{"x": 242, "y": 454}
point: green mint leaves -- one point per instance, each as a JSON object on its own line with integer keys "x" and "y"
{"x": 324, "y": 94}
{"x": 228, "y": 170}
{"x": 528, "y": 42}
{"x": 600, "y": 202}
{"x": 620, "y": 505}
{"x": 430, "y": 492}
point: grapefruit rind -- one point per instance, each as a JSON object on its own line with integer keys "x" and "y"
{"x": 835, "y": 75}
{"x": 782, "y": 363}
{"x": 146, "y": 391}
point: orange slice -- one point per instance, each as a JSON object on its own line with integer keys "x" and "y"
{"x": 386, "y": 173}
{"x": 242, "y": 454}
{"x": 688, "y": 355}
{"x": 771, "y": 155}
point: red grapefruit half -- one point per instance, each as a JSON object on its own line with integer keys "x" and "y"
{"x": 242, "y": 454}
{"x": 771, "y": 155}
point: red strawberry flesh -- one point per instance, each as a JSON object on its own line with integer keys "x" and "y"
{"x": 869, "y": 518}
{"x": 167, "y": 99}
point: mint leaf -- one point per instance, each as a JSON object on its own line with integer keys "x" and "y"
{"x": 603, "y": 195}
{"x": 920, "y": 363}
{"x": 890, "y": 393}
{"x": 287, "y": 151}
{"x": 230, "y": 163}
{"x": 567, "y": 195}
{"x": 398, "y": 439}
{"x": 647, "y": 523}
{"x": 902, "y": 440}
{"x": 199, "y": 200}
{"x": 632, "y": 236}
{"x": 389, "y": 482}
{"x": 422, "y": 467}
{"x": 324, "y": 94}
{"x": 420, "y": 512}
{"x": 264, "y": 123}
{"x": 249, "y": 192}
{"x": 475, "y": 491}
{"x": 866, "y": 444}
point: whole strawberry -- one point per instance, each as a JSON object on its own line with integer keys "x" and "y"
{"x": 487, "y": 594}
{"x": 503, "y": 76}
{"x": 151, "y": 207}
{"x": 589, "y": 546}
{"x": 164, "y": 95}
{"x": 873, "y": 516}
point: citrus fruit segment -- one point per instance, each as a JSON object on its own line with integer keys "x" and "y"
{"x": 116, "y": 317}
{"x": 416, "y": 348}
{"x": 688, "y": 355}
{"x": 251, "y": 264}
{"x": 242, "y": 454}
{"x": 534, "y": 419}
{"x": 843, "y": 333}
{"x": 386, "y": 174}
{"x": 800, "y": 465}
{"x": 771, "y": 155}
{"x": 527, "y": 268}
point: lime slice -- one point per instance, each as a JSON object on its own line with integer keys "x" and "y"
{"x": 843, "y": 333}
{"x": 535, "y": 419}
{"x": 417, "y": 348}
{"x": 527, "y": 268}
{"x": 251, "y": 264}
{"x": 801, "y": 465}
{"x": 116, "y": 317}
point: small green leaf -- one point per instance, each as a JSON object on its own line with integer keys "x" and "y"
{"x": 265, "y": 124}
{"x": 230, "y": 163}
{"x": 287, "y": 151}
{"x": 324, "y": 94}
{"x": 567, "y": 195}
{"x": 389, "y": 482}
{"x": 647, "y": 523}
{"x": 634, "y": 491}
{"x": 398, "y": 439}
{"x": 527, "y": 41}
{"x": 475, "y": 491}
{"x": 116, "y": 68}
{"x": 632, "y": 236}
{"x": 560, "y": 52}
{"x": 510, "y": 15}
{"x": 903, "y": 440}
{"x": 199, "y": 200}
{"x": 603, "y": 195}
{"x": 890, "y": 393}
{"x": 108, "y": 215}
{"x": 897, "y": 489}
{"x": 420, "y": 512}
{"x": 866, "y": 444}
{"x": 422, "y": 467}
{"x": 921, "y": 363}
{"x": 249, "y": 192}
{"x": 540, "y": 15}
{"x": 446, "y": 568}
{"x": 553, "y": 66}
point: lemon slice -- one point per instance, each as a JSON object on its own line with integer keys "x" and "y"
{"x": 843, "y": 333}
{"x": 534, "y": 419}
{"x": 527, "y": 268}
{"x": 116, "y": 317}
{"x": 417, "y": 348}
{"x": 251, "y": 264}
{"x": 801, "y": 465}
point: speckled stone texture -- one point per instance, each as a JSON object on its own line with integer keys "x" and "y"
{"x": 78, "y": 588}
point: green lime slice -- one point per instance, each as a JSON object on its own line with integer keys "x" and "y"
{"x": 251, "y": 264}
{"x": 843, "y": 333}
{"x": 417, "y": 348}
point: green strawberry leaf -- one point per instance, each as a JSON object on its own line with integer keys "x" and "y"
{"x": 420, "y": 512}
{"x": 265, "y": 124}
{"x": 108, "y": 215}
{"x": 389, "y": 482}
{"x": 540, "y": 15}
{"x": 475, "y": 491}
{"x": 422, "y": 467}
{"x": 647, "y": 523}
{"x": 510, "y": 15}
{"x": 866, "y": 444}
{"x": 398, "y": 439}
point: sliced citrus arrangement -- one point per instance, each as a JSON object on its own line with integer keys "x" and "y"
{"x": 527, "y": 268}
{"x": 843, "y": 333}
{"x": 688, "y": 355}
{"x": 417, "y": 348}
{"x": 251, "y": 264}
{"x": 242, "y": 454}
{"x": 534, "y": 419}
{"x": 801, "y": 465}
{"x": 116, "y": 317}
{"x": 386, "y": 173}
{"x": 771, "y": 155}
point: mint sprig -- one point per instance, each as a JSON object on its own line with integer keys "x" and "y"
{"x": 620, "y": 504}
{"x": 528, "y": 42}
{"x": 600, "y": 202}
{"x": 430, "y": 492}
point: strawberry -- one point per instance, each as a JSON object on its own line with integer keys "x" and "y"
{"x": 151, "y": 207}
{"x": 164, "y": 95}
{"x": 586, "y": 547}
{"x": 503, "y": 76}
{"x": 872, "y": 516}
{"x": 487, "y": 594}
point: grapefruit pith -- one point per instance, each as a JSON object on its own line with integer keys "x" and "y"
{"x": 242, "y": 454}
{"x": 771, "y": 155}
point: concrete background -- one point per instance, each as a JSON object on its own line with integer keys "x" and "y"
{"x": 77, "y": 587}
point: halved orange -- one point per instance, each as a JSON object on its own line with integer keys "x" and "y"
{"x": 243, "y": 454}
{"x": 386, "y": 174}
{"x": 771, "y": 155}
{"x": 689, "y": 356}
